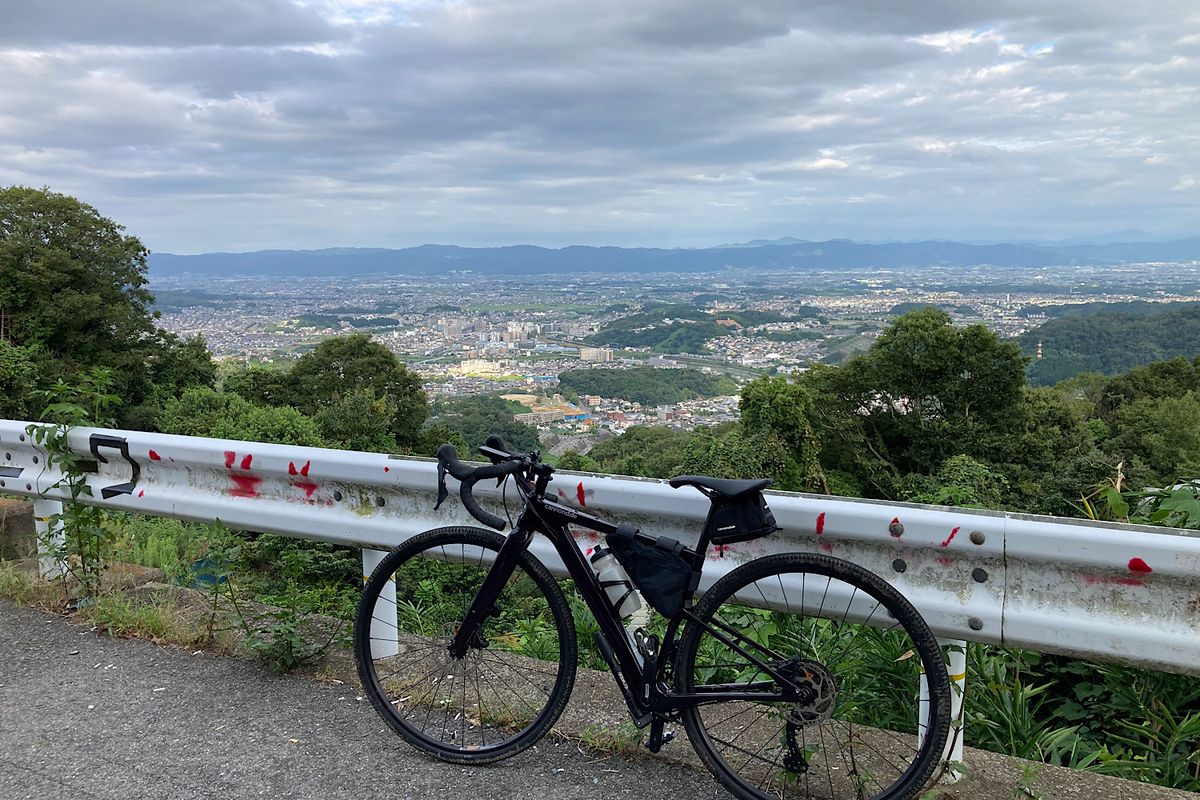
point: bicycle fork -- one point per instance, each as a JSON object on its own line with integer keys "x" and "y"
{"x": 470, "y": 633}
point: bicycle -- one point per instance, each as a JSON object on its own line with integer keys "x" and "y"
{"x": 794, "y": 674}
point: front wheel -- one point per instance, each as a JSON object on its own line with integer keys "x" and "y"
{"x": 514, "y": 681}
{"x": 840, "y": 715}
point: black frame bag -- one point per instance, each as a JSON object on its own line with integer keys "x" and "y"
{"x": 739, "y": 520}
{"x": 659, "y": 568}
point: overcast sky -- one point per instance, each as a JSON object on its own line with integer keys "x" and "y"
{"x": 249, "y": 124}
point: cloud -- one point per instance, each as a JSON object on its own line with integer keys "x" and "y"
{"x": 242, "y": 124}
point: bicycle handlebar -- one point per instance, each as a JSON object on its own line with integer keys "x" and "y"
{"x": 469, "y": 476}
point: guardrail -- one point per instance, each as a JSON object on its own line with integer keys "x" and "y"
{"x": 1108, "y": 592}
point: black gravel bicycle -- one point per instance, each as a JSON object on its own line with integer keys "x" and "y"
{"x": 794, "y": 675}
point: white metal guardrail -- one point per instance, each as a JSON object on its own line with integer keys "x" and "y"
{"x": 1108, "y": 592}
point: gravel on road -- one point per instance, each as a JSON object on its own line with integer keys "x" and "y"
{"x": 87, "y": 716}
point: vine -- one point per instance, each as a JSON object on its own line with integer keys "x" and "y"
{"x": 87, "y": 530}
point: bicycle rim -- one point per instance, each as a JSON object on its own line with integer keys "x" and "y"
{"x": 853, "y": 651}
{"x": 513, "y": 682}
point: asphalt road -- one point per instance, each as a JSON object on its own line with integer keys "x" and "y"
{"x": 86, "y": 716}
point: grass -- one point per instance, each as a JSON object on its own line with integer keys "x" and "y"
{"x": 20, "y": 583}
{"x": 625, "y": 739}
{"x": 159, "y": 618}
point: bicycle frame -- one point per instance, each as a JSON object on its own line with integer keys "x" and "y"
{"x": 643, "y": 685}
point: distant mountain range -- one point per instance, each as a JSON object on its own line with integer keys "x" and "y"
{"x": 788, "y": 253}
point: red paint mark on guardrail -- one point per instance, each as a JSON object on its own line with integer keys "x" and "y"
{"x": 895, "y": 529}
{"x": 949, "y": 538}
{"x": 142, "y": 493}
{"x": 243, "y": 485}
{"x": 308, "y": 486}
{"x": 580, "y": 495}
{"x": 820, "y": 523}
{"x": 1137, "y": 565}
{"x": 387, "y": 469}
{"x": 155, "y": 456}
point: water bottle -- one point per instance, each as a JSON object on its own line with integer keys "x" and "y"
{"x": 616, "y": 583}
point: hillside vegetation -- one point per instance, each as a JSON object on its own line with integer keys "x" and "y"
{"x": 682, "y": 328}
{"x": 647, "y": 385}
{"x": 1110, "y": 342}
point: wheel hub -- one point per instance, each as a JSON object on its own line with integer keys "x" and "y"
{"x": 816, "y": 691}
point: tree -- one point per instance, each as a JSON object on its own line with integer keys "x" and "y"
{"x": 927, "y": 390}
{"x": 73, "y": 286}
{"x": 342, "y": 365}
{"x": 19, "y": 378}
{"x": 358, "y": 421}
{"x": 70, "y": 279}
{"x": 644, "y": 452}
{"x": 1172, "y": 378}
{"x": 777, "y": 418}
{"x": 475, "y": 418}
{"x": 259, "y": 385}
{"x": 73, "y": 283}
{"x": 1164, "y": 433}
{"x": 204, "y": 412}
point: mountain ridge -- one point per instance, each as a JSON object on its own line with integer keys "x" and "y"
{"x": 431, "y": 259}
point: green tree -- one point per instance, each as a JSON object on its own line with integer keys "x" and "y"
{"x": 204, "y": 412}
{"x": 777, "y": 419}
{"x": 730, "y": 451}
{"x": 70, "y": 279}
{"x": 933, "y": 390}
{"x": 73, "y": 283}
{"x": 644, "y": 452}
{"x": 578, "y": 462}
{"x": 260, "y": 385}
{"x": 475, "y": 418}
{"x": 358, "y": 421}
{"x": 342, "y": 365}
{"x": 1163, "y": 432}
{"x": 961, "y": 481}
{"x": 1173, "y": 378}
{"x": 19, "y": 379}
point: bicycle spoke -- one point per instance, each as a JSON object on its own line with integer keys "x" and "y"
{"x": 847, "y": 732}
{"x": 492, "y": 702}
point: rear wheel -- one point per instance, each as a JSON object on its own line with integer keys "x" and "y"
{"x": 841, "y": 716}
{"x": 514, "y": 681}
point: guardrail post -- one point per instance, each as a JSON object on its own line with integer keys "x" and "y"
{"x": 956, "y": 664}
{"x": 50, "y": 537}
{"x": 384, "y": 639}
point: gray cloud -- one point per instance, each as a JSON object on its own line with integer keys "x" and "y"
{"x": 237, "y": 125}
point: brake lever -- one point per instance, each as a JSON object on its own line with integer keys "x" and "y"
{"x": 442, "y": 493}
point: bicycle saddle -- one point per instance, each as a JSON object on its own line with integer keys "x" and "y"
{"x": 724, "y": 487}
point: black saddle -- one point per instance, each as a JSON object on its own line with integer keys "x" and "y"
{"x": 723, "y": 488}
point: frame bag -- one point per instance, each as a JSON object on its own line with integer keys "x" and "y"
{"x": 747, "y": 517}
{"x": 657, "y": 567}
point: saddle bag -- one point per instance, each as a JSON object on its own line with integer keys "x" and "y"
{"x": 748, "y": 517}
{"x": 657, "y": 567}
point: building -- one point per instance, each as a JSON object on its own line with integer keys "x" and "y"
{"x": 600, "y": 354}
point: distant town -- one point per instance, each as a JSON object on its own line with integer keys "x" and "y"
{"x": 468, "y": 334}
